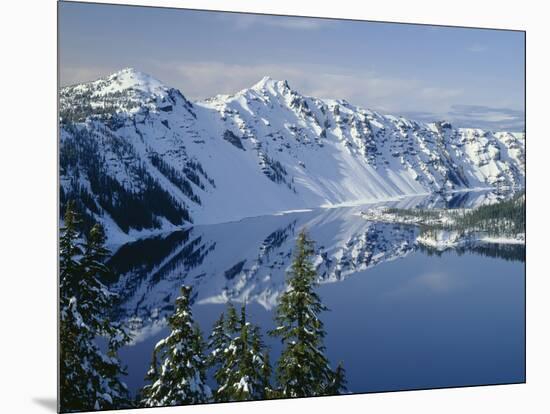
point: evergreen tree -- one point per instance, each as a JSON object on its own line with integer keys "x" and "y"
{"x": 70, "y": 249}
{"x": 303, "y": 369}
{"x": 95, "y": 298}
{"x": 339, "y": 381}
{"x": 268, "y": 391}
{"x": 90, "y": 378}
{"x": 251, "y": 362}
{"x": 239, "y": 357}
{"x": 218, "y": 341}
{"x": 177, "y": 372}
{"x": 71, "y": 383}
{"x": 223, "y": 354}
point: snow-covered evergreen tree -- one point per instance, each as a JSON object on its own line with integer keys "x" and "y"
{"x": 89, "y": 377}
{"x": 303, "y": 369}
{"x": 222, "y": 352}
{"x": 218, "y": 341}
{"x": 70, "y": 249}
{"x": 251, "y": 384}
{"x": 177, "y": 372}
{"x": 239, "y": 357}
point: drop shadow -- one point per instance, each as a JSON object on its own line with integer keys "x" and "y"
{"x": 48, "y": 403}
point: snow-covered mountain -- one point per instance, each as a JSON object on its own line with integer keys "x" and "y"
{"x": 139, "y": 157}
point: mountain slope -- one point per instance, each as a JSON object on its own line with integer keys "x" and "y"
{"x": 138, "y": 156}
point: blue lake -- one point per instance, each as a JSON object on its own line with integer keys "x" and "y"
{"x": 401, "y": 316}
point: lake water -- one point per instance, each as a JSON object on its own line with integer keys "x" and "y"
{"x": 401, "y": 316}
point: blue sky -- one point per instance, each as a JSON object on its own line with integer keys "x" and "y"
{"x": 472, "y": 77}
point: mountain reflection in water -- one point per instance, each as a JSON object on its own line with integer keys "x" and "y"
{"x": 376, "y": 301}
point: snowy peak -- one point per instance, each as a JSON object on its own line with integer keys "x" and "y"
{"x": 265, "y": 90}
{"x": 123, "y": 82}
{"x": 127, "y": 91}
{"x": 268, "y": 84}
{"x": 130, "y": 78}
{"x": 263, "y": 83}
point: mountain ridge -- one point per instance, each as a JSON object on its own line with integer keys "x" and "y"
{"x": 129, "y": 143}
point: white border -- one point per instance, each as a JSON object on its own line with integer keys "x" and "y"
{"x": 28, "y": 208}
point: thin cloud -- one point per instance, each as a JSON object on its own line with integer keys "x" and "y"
{"x": 70, "y": 75}
{"x": 438, "y": 93}
{"x": 489, "y": 117}
{"x": 245, "y": 22}
{"x": 366, "y": 88}
{"x": 476, "y": 116}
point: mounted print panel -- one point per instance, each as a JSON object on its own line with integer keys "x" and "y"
{"x": 260, "y": 207}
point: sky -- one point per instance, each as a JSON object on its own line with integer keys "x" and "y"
{"x": 470, "y": 77}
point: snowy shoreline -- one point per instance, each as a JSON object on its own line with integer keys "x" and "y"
{"x": 444, "y": 239}
{"x": 439, "y": 232}
{"x": 118, "y": 239}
